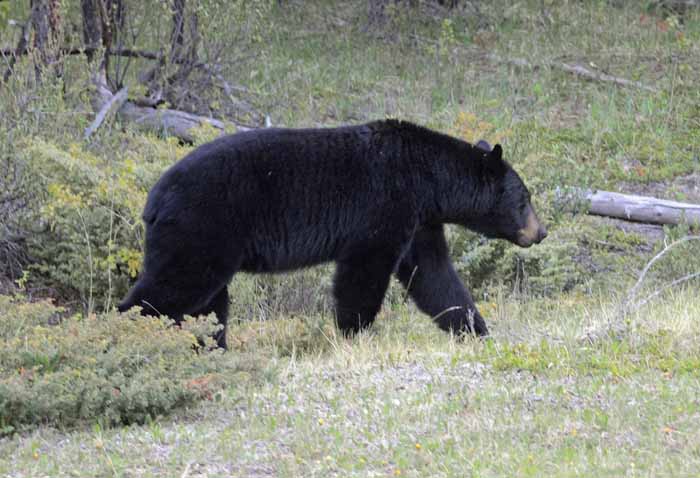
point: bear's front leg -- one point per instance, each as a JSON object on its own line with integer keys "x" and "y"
{"x": 219, "y": 305}
{"x": 430, "y": 279}
{"x": 359, "y": 286}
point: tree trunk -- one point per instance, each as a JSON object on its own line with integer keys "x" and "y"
{"x": 92, "y": 27}
{"x": 22, "y": 46}
{"x": 177, "y": 36}
{"x": 182, "y": 53}
{"x": 46, "y": 22}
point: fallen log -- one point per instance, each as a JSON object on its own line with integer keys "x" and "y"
{"x": 578, "y": 70}
{"x": 641, "y": 208}
{"x": 159, "y": 120}
{"x": 168, "y": 121}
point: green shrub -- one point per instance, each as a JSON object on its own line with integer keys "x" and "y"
{"x": 108, "y": 368}
{"x": 547, "y": 269}
{"x": 90, "y": 204}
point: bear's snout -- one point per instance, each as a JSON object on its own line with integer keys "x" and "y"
{"x": 541, "y": 234}
{"x": 533, "y": 232}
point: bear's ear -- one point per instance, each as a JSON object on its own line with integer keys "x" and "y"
{"x": 484, "y": 145}
{"x": 497, "y": 152}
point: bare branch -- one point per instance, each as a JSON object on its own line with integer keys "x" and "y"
{"x": 177, "y": 36}
{"x": 632, "y": 294}
{"x": 658, "y": 291}
{"x": 110, "y": 108}
{"x": 574, "y": 70}
{"x": 126, "y": 52}
{"x": 23, "y": 49}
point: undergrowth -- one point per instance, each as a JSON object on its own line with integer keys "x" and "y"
{"x": 66, "y": 370}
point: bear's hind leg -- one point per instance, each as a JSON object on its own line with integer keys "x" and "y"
{"x": 178, "y": 295}
{"x": 139, "y": 295}
{"x": 219, "y": 304}
{"x": 359, "y": 287}
{"x": 427, "y": 273}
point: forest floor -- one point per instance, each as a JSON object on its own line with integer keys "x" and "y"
{"x": 555, "y": 392}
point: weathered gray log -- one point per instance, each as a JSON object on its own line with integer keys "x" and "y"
{"x": 159, "y": 120}
{"x": 167, "y": 121}
{"x": 597, "y": 76}
{"x": 576, "y": 70}
{"x": 642, "y": 208}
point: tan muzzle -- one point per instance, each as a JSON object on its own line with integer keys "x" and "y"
{"x": 533, "y": 232}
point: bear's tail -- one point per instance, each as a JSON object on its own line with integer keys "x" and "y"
{"x": 150, "y": 213}
{"x": 127, "y": 303}
{"x": 136, "y": 297}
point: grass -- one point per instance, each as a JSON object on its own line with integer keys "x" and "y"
{"x": 555, "y": 392}
{"x": 564, "y": 387}
{"x": 326, "y": 78}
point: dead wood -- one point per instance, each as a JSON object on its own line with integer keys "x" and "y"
{"x": 629, "y": 207}
{"x": 110, "y": 107}
{"x": 576, "y": 70}
{"x": 156, "y": 120}
{"x": 642, "y": 208}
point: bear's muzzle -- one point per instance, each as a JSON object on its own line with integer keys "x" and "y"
{"x": 533, "y": 232}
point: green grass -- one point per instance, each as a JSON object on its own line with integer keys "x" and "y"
{"x": 337, "y": 75}
{"x": 557, "y": 391}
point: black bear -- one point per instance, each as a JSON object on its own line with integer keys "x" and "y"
{"x": 373, "y": 198}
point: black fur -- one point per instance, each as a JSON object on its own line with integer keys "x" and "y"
{"x": 373, "y": 198}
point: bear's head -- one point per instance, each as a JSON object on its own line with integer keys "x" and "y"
{"x": 506, "y": 211}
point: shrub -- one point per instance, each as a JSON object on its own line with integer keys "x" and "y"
{"x": 114, "y": 369}
{"x": 543, "y": 270}
{"x": 90, "y": 205}
{"x": 16, "y": 196}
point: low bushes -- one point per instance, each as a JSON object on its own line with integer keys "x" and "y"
{"x": 113, "y": 369}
